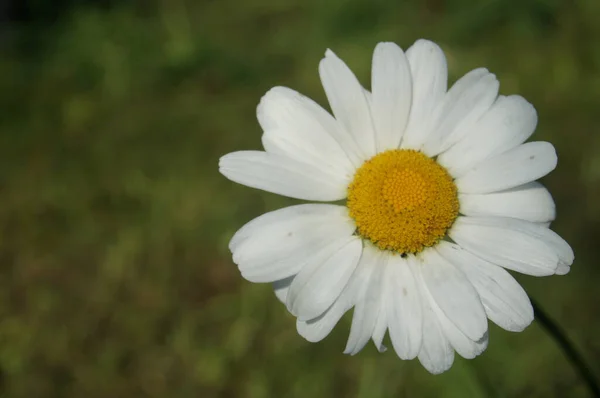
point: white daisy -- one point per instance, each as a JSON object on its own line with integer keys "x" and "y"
{"x": 441, "y": 199}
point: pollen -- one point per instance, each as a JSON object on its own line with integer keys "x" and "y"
{"x": 403, "y": 201}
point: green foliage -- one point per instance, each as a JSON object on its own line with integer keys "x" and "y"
{"x": 115, "y": 276}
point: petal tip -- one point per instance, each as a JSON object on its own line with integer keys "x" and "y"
{"x": 330, "y": 53}
{"x": 562, "y": 269}
{"x": 428, "y": 44}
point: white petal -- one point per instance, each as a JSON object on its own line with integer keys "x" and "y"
{"x": 322, "y": 280}
{"x": 469, "y": 98}
{"x": 518, "y": 245}
{"x": 436, "y": 354}
{"x": 562, "y": 269}
{"x": 392, "y": 93}
{"x": 282, "y": 287}
{"x": 381, "y": 324}
{"x": 429, "y": 73}
{"x": 359, "y": 284}
{"x": 276, "y": 244}
{"x": 279, "y": 142}
{"x": 317, "y": 329}
{"x": 453, "y": 294}
{"x": 405, "y": 315}
{"x": 463, "y": 345}
{"x": 531, "y": 202}
{"x": 283, "y": 176}
{"x": 369, "y": 97}
{"x": 301, "y": 214}
{"x": 504, "y": 300}
{"x": 509, "y": 122}
{"x": 551, "y": 238}
{"x": 297, "y": 127}
{"x": 521, "y": 165}
{"x": 348, "y": 102}
{"x": 367, "y": 307}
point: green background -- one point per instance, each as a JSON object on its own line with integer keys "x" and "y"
{"x": 115, "y": 277}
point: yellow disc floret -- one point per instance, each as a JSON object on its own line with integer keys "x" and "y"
{"x": 403, "y": 201}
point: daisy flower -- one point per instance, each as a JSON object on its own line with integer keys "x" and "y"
{"x": 441, "y": 199}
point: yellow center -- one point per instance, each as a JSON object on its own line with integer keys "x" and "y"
{"x": 402, "y": 200}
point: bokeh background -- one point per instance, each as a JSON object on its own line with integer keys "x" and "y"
{"x": 115, "y": 278}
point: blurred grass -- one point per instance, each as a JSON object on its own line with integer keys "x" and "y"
{"x": 115, "y": 279}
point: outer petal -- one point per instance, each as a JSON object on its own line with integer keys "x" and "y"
{"x": 283, "y": 176}
{"x": 562, "y": 269}
{"x": 436, "y": 354}
{"x": 531, "y": 202}
{"x": 507, "y": 124}
{"x": 521, "y": 165}
{"x": 404, "y": 309}
{"x": 282, "y": 287}
{"x": 466, "y": 347}
{"x": 322, "y": 280}
{"x": 317, "y": 329}
{"x": 369, "y": 302}
{"x": 297, "y": 127}
{"x": 381, "y": 324}
{"x": 454, "y": 295}
{"x": 469, "y": 98}
{"x": 275, "y": 245}
{"x": 348, "y": 102}
{"x": 504, "y": 300}
{"x": 392, "y": 94}
{"x": 518, "y": 245}
{"x": 429, "y": 73}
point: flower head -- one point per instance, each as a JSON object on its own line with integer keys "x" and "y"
{"x": 440, "y": 196}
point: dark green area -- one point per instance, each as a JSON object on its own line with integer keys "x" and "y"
{"x": 115, "y": 278}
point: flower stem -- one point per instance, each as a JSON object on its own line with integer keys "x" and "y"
{"x": 574, "y": 357}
